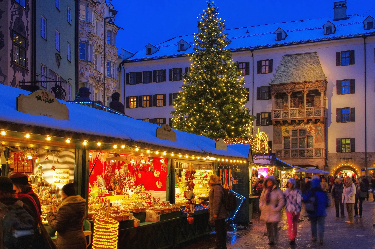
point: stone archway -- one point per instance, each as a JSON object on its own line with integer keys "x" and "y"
{"x": 346, "y": 167}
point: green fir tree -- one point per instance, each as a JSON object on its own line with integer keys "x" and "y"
{"x": 212, "y": 100}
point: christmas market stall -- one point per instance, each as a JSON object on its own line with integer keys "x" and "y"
{"x": 143, "y": 183}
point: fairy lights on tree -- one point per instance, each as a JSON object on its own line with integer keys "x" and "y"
{"x": 212, "y": 100}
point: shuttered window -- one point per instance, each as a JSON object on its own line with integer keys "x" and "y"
{"x": 344, "y": 115}
{"x": 345, "y": 58}
{"x": 243, "y": 67}
{"x": 263, "y": 93}
{"x": 345, "y": 145}
{"x": 346, "y": 86}
{"x": 263, "y": 119}
{"x": 264, "y": 66}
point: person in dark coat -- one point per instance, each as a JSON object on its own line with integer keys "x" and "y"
{"x": 317, "y": 218}
{"x": 116, "y": 104}
{"x": 366, "y": 186}
{"x": 25, "y": 193}
{"x": 7, "y": 197}
{"x": 68, "y": 221}
{"x": 337, "y": 190}
{"x": 218, "y": 213}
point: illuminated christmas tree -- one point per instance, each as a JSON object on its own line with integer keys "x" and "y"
{"x": 212, "y": 100}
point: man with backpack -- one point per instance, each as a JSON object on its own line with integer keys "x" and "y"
{"x": 316, "y": 203}
{"x": 218, "y": 212}
{"x": 17, "y": 226}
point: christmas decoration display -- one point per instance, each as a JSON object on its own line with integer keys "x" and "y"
{"x": 212, "y": 101}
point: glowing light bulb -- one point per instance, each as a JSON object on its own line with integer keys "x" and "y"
{"x": 67, "y": 140}
{"x": 137, "y": 149}
{"x": 115, "y": 146}
{"x": 84, "y": 142}
{"x": 157, "y": 152}
{"x": 48, "y": 138}
{"x": 164, "y": 153}
{"x": 27, "y": 135}
{"x": 3, "y": 133}
{"x": 99, "y": 143}
{"x": 123, "y": 146}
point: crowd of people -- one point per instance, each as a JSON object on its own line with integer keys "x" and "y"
{"x": 313, "y": 194}
{"x": 19, "y": 202}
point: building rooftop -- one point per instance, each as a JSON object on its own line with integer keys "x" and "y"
{"x": 295, "y": 68}
{"x": 263, "y": 36}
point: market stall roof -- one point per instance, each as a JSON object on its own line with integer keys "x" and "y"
{"x": 281, "y": 163}
{"x": 87, "y": 120}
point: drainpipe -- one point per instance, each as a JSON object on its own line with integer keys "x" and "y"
{"x": 252, "y": 99}
{"x": 76, "y": 46}
{"x": 365, "y": 57}
{"x": 33, "y": 43}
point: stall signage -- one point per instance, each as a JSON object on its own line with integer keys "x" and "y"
{"x": 166, "y": 133}
{"x": 42, "y": 103}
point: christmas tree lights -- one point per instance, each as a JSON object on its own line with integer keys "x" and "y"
{"x": 212, "y": 100}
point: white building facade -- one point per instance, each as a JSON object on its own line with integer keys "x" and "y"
{"x": 311, "y": 85}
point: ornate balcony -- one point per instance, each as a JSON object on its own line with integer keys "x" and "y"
{"x": 298, "y": 114}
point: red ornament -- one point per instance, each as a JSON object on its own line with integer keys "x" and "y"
{"x": 190, "y": 219}
{"x": 53, "y": 168}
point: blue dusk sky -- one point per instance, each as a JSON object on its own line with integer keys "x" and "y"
{"x": 155, "y": 21}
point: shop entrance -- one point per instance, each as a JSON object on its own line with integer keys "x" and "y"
{"x": 345, "y": 171}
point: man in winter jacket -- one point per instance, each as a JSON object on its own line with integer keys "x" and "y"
{"x": 218, "y": 213}
{"x": 321, "y": 203}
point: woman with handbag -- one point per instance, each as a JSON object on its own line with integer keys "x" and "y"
{"x": 68, "y": 220}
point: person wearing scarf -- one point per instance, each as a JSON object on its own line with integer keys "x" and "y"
{"x": 68, "y": 221}
{"x": 348, "y": 197}
{"x": 271, "y": 203}
{"x": 25, "y": 193}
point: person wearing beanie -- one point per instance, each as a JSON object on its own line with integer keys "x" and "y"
{"x": 293, "y": 198}
{"x": 321, "y": 202}
{"x": 271, "y": 202}
{"x": 25, "y": 193}
{"x": 68, "y": 220}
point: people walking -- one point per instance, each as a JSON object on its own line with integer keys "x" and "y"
{"x": 293, "y": 197}
{"x": 337, "y": 190}
{"x": 366, "y": 187}
{"x": 319, "y": 201}
{"x": 270, "y": 203}
{"x": 68, "y": 220}
{"x": 217, "y": 211}
{"x": 331, "y": 182}
{"x": 349, "y": 197}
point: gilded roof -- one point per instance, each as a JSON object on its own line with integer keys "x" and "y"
{"x": 296, "y": 68}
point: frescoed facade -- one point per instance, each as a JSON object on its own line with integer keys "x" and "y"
{"x": 98, "y": 54}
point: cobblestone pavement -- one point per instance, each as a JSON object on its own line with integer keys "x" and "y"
{"x": 338, "y": 234}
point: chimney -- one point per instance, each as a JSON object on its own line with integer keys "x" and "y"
{"x": 340, "y": 11}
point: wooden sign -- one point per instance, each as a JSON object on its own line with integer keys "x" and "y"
{"x": 42, "y": 103}
{"x": 221, "y": 145}
{"x": 166, "y": 133}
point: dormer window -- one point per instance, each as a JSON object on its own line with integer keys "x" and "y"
{"x": 280, "y": 34}
{"x": 150, "y": 49}
{"x": 368, "y": 23}
{"x": 329, "y": 28}
{"x": 183, "y": 45}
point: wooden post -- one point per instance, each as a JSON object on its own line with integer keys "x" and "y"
{"x": 5, "y": 166}
{"x": 171, "y": 191}
{"x": 81, "y": 174}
